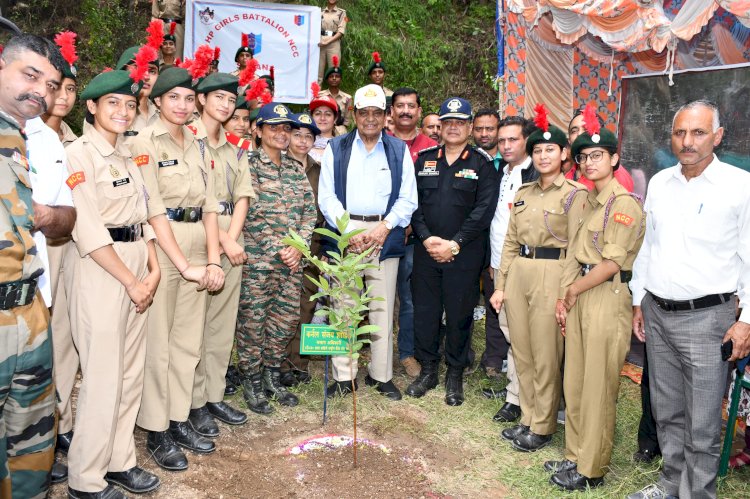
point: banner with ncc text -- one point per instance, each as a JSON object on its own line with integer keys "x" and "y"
{"x": 283, "y": 36}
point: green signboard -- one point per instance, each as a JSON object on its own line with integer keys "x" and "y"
{"x": 321, "y": 339}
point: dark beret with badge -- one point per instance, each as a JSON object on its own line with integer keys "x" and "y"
{"x": 377, "y": 63}
{"x": 335, "y": 69}
{"x": 304, "y": 120}
{"x": 545, "y": 132}
{"x": 594, "y": 135}
{"x": 171, "y": 78}
{"x": 244, "y": 47}
{"x": 218, "y": 81}
{"x": 111, "y": 82}
{"x": 66, "y": 40}
{"x": 241, "y": 103}
{"x": 275, "y": 113}
{"x": 171, "y": 36}
{"x": 455, "y": 108}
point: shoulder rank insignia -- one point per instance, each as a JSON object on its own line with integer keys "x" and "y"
{"x": 427, "y": 149}
{"x": 484, "y": 153}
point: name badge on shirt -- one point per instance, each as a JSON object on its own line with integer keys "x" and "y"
{"x": 428, "y": 173}
{"x": 130, "y": 133}
{"x": 518, "y": 203}
{"x": 168, "y": 162}
{"x": 121, "y": 181}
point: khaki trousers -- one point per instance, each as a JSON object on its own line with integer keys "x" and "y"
{"x": 62, "y": 261}
{"x": 326, "y": 58}
{"x": 597, "y": 340}
{"x": 512, "y": 387}
{"x": 110, "y": 337}
{"x": 531, "y": 292}
{"x": 175, "y": 334}
{"x": 382, "y": 283}
{"x": 218, "y": 332}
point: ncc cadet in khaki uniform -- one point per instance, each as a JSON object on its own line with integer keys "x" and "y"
{"x": 148, "y": 113}
{"x": 243, "y": 54}
{"x": 232, "y": 189}
{"x": 332, "y": 29}
{"x": 180, "y": 190}
{"x": 546, "y": 215}
{"x": 346, "y": 104}
{"x": 171, "y": 11}
{"x": 115, "y": 278}
{"x": 596, "y": 312}
{"x": 376, "y": 73}
{"x": 272, "y": 278}
{"x": 169, "y": 47}
{"x": 238, "y": 126}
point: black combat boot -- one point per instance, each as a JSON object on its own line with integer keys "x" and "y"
{"x": 426, "y": 381}
{"x": 275, "y": 390}
{"x": 454, "y": 386}
{"x": 255, "y": 398}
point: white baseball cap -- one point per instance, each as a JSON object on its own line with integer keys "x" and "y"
{"x": 369, "y": 96}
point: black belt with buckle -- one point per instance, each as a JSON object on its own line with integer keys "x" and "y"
{"x": 696, "y": 304}
{"x": 168, "y": 20}
{"x": 327, "y": 33}
{"x": 17, "y": 293}
{"x": 189, "y": 215}
{"x": 226, "y": 208}
{"x": 540, "y": 253}
{"x": 367, "y": 218}
{"x": 625, "y": 275}
{"x": 126, "y": 234}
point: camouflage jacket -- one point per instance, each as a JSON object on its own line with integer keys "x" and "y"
{"x": 18, "y": 255}
{"x": 284, "y": 201}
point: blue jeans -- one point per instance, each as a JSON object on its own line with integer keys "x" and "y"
{"x": 406, "y": 307}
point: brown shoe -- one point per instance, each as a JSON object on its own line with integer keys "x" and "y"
{"x": 493, "y": 373}
{"x": 411, "y": 366}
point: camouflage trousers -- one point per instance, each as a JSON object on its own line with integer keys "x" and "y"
{"x": 27, "y": 402}
{"x": 268, "y": 316}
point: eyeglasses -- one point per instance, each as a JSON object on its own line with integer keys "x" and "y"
{"x": 594, "y": 156}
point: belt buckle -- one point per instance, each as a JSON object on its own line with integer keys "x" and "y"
{"x": 191, "y": 215}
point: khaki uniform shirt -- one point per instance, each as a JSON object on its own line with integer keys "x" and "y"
{"x": 18, "y": 255}
{"x": 388, "y": 92}
{"x": 346, "y": 108}
{"x": 542, "y": 218}
{"x": 111, "y": 192}
{"x": 139, "y": 122}
{"x": 67, "y": 136}
{"x": 612, "y": 229}
{"x": 176, "y": 177}
{"x": 333, "y": 20}
{"x": 168, "y": 9}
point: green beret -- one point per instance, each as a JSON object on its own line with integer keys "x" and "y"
{"x": 242, "y": 50}
{"x": 254, "y": 114}
{"x": 128, "y": 57}
{"x": 111, "y": 82}
{"x": 170, "y": 38}
{"x": 332, "y": 70}
{"x": 218, "y": 81}
{"x": 169, "y": 79}
{"x": 604, "y": 138}
{"x": 70, "y": 71}
{"x": 241, "y": 103}
{"x": 552, "y": 136}
{"x": 375, "y": 65}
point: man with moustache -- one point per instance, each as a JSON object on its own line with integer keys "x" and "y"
{"x": 406, "y": 109}
{"x": 431, "y": 126}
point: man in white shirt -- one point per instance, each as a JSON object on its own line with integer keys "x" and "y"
{"x": 371, "y": 175}
{"x": 511, "y": 142}
{"x": 695, "y": 255}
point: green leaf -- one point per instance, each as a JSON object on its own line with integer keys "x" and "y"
{"x": 370, "y": 328}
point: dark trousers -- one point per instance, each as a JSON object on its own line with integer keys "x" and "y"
{"x": 496, "y": 347}
{"x": 435, "y": 289}
{"x": 647, "y": 427}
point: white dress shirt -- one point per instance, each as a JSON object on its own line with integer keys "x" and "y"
{"x": 509, "y": 185}
{"x": 48, "y": 171}
{"x": 697, "y": 239}
{"x": 368, "y": 185}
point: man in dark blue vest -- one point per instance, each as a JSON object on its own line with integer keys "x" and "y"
{"x": 371, "y": 175}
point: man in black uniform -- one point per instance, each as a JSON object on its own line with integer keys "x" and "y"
{"x": 458, "y": 189}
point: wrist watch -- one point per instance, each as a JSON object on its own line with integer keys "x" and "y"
{"x": 388, "y": 225}
{"x": 454, "y": 248}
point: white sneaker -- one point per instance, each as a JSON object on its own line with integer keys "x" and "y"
{"x": 653, "y": 491}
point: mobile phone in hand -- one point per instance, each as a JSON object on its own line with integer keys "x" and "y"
{"x": 726, "y": 350}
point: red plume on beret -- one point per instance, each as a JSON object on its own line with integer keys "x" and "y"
{"x": 217, "y": 53}
{"x": 178, "y": 62}
{"x": 271, "y": 72}
{"x": 245, "y": 40}
{"x": 155, "y": 32}
{"x": 66, "y": 40}
{"x": 256, "y": 89}
{"x": 591, "y": 120}
{"x": 172, "y": 27}
{"x": 198, "y": 67}
{"x": 248, "y": 74}
{"x": 145, "y": 56}
{"x": 106, "y": 69}
{"x": 315, "y": 89}
{"x": 335, "y": 61}
{"x": 376, "y": 57}
{"x": 266, "y": 96}
{"x": 541, "y": 119}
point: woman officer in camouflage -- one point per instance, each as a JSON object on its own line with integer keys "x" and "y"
{"x": 272, "y": 277}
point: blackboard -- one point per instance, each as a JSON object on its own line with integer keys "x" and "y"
{"x": 648, "y": 105}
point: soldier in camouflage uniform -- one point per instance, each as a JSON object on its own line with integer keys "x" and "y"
{"x": 272, "y": 278}
{"x": 27, "y": 394}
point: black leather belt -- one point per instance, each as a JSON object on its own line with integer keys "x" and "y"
{"x": 540, "y": 253}
{"x": 226, "y": 207}
{"x": 126, "y": 234}
{"x": 168, "y": 20}
{"x": 190, "y": 214}
{"x": 17, "y": 293}
{"x": 367, "y": 218}
{"x": 625, "y": 275}
{"x": 696, "y": 304}
{"x": 327, "y": 33}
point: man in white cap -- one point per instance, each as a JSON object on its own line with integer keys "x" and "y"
{"x": 371, "y": 175}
